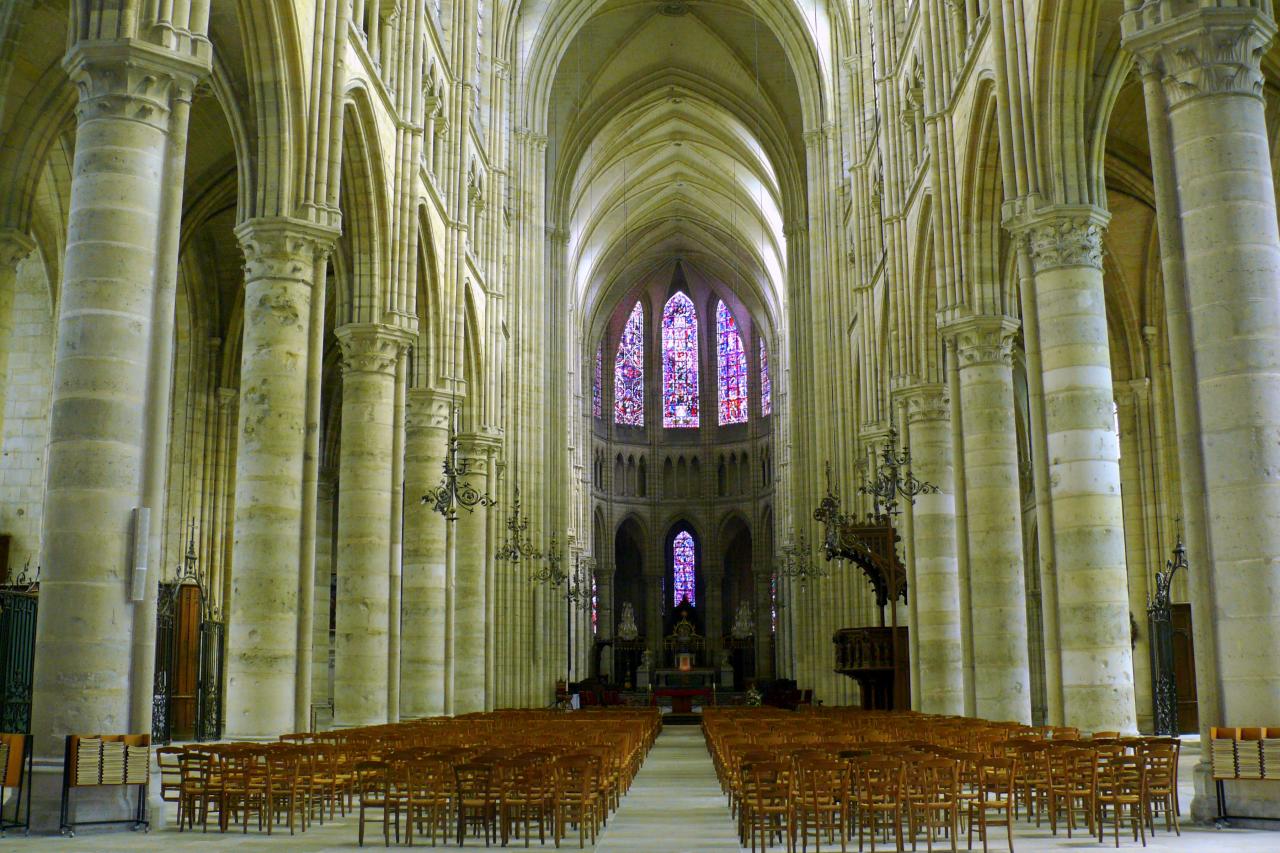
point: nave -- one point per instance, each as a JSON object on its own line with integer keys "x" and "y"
{"x": 674, "y": 805}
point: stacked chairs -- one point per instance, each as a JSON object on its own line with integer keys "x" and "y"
{"x": 501, "y": 777}
{"x": 925, "y": 779}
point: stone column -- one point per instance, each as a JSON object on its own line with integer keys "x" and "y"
{"x": 469, "y": 586}
{"x": 1001, "y": 678}
{"x": 1065, "y": 250}
{"x": 14, "y": 248}
{"x": 103, "y": 400}
{"x": 1221, "y": 258}
{"x": 369, "y": 355}
{"x": 1133, "y": 402}
{"x": 423, "y": 619}
{"x": 262, "y": 636}
{"x": 321, "y": 686}
{"x": 937, "y": 588}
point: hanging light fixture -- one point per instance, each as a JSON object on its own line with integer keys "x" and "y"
{"x": 454, "y": 490}
{"x": 518, "y": 547}
{"x": 797, "y": 564}
{"x": 893, "y": 479}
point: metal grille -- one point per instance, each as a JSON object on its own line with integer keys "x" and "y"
{"x": 209, "y": 693}
{"x": 17, "y": 658}
{"x": 166, "y": 633}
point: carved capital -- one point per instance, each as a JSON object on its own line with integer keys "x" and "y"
{"x": 282, "y": 248}
{"x": 479, "y": 446}
{"x": 983, "y": 340}
{"x": 130, "y": 80}
{"x": 429, "y": 409}
{"x": 1062, "y": 236}
{"x": 1199, "y": 48}
{"x": 15, "y": 246}
{"x": 371, "y": 347}
{"x": 926, "y": 402}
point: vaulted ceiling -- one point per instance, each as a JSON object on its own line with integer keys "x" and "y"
{"x": 675, "y": 132}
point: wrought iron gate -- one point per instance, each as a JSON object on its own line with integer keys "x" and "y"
{"x": 209, "y": 691}
{"x": 1164, "y": 683}
{"x": 17, "y": 657}
{"x": 166, "y": 641}
{"x": 209, "y": 667}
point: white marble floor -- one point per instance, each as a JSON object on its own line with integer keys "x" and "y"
{"x": 674, "y": 806}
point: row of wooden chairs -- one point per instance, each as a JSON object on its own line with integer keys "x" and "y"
{"x": 498, "y": 776}
{"x": 828, "y": 774}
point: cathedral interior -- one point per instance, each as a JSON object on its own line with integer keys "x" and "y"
{"x": 469, "y": 370}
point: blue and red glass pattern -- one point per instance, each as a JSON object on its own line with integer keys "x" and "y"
{"x": 597, "y": 385}
{"x": 766, "y": 385}
{"x": 628, "y": 372}
{"x": 684, "y": 564}
{"x": 680, "y": 363}
{"x": 731, "y": 365}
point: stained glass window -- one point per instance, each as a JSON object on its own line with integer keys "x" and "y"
{"x": 595, "y": 606}
{"x": 628, "y": 372}
{"x": 679, "y": 363}
{"x": 766, "y": 384}
{"x": 731, "y": 365}
{"x": 598, "y": 384}
{"x": 685, "y": 569}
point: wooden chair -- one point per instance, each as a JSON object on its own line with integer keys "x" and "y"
{"x": 374, "y": 792}
{"x": 528, "y": 798}
{"x": 1073, "y": 788}
{"x": 820, "y": 800}
{"x": 766, "y": 804}
{"x": 879, "y": 799}
{"x": 935, "y": 804}
{"x": 244, "y": 786}
{"x": 284, "y": 795}
{"x": 1160, "y": 770}
{"x": 199, "y": 791}
{"x": 427, "y": 785}
{"x": 578, "y": 798}
{"x": 996, "y": 787}
{"x": 1120, "y": 788}
{"x": 169, "y": 763}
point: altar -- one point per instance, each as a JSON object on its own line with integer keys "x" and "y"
{"x": 684, "y": 687}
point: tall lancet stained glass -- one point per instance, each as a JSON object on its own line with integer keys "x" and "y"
{"x": 731, "y": 365}
{"x": 679, "y": 363}
{"x": 597, "y": 385}
{"x": 684, "y": 569}
{"x": 766, "y": 384}
{"x": 628, "y": 372}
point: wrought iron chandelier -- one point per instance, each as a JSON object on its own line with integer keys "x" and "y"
{"x": 580, "y": 587}
{"x": 517, "y": 547}
{"x": 796, "y": 563}
{"x": 893, "y": 479}
{"x": 454, "y": 491}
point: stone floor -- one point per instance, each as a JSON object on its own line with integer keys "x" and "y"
{"x": 674, "y": 806}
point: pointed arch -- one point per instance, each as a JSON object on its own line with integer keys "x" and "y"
{"x": 680, "y": 363}
{"x": 628, "y": 371}
{"x": 731, "y": 368}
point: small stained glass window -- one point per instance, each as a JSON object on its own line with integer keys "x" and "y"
{"x": 766, "y": 385}
{"x": 597, "y": 384}
{"x": 684, "y": 562}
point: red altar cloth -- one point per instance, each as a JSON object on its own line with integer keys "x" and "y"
{"x": 682, "y": 697}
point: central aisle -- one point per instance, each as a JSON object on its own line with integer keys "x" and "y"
{"x": 674, "y": 804}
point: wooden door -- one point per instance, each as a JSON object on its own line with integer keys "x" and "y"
{"x": 186, "y": 664}
{"x": 1184, "y": 669}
